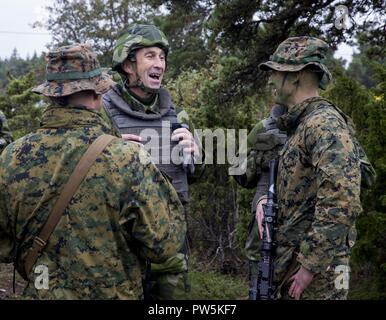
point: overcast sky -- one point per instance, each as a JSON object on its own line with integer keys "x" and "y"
{"x": 16, "y": 17}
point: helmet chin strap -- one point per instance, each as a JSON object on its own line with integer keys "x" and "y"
{"x": 138, "y": 83}
{"x": 285, "y": 78}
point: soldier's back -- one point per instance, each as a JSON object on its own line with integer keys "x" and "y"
{"x": 89, "y": 255}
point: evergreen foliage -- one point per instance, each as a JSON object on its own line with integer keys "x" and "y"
{"x": 216, "y": 47}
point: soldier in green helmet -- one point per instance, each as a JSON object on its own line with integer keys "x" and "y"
{"x": 141, "y": 110}
{"x": 321, "y": 168}
{"x": 123, "y": 212}
{"x": 5, "y": 133}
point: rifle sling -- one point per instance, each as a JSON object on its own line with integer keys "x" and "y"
{"x": 65, "y": 197}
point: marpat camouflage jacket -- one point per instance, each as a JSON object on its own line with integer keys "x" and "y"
{"x": 318, "y": 188}
{"x": 123, "y": 212}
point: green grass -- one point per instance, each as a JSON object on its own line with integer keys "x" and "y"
{"x": 365, "y": 289}
{"x": 209, "y": 285}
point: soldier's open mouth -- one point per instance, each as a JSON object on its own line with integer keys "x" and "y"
{"x": 155, "y": 76}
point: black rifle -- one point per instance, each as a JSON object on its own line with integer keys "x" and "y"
{"x": 265, "y": 288}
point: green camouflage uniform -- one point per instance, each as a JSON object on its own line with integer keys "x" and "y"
{"x": 123, "y": 212}
{"x": 319, "y": 181}
{"x": 5, "y": 133}
{"x": 168, "y": 280}
{"x": 318, "y": 194}
{"x": 263, "y": 144}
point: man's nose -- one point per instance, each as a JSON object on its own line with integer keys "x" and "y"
{"x": 159, "y": 63}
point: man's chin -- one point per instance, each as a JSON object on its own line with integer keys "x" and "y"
{"x": 279, "y": 100}
{"x": 154, "y": 84}
{"x": 154, "y": 87}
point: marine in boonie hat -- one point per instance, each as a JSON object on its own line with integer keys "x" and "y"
{"x": 72, "y": 69}
{"x": 296, "y": 53}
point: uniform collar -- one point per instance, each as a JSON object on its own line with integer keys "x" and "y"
{"x": 291, "y": 119}
{"x": 72, "y": 116}
{"x": 137, "y": 105}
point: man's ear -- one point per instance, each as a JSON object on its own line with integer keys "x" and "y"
{"x": 127, "y": 66}
{"x": 309, "y": 78}
{"x": 97, "y": 101}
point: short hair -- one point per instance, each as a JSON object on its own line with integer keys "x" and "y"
{"x": 66, "y": 100}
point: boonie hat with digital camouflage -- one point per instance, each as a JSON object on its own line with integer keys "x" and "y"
{"x": 71, "y": 69}
{"x": 296, "y": 53}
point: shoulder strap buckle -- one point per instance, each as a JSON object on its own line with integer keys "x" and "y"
{"x": 40, "y": 243}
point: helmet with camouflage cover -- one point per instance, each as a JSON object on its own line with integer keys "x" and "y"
{"x": 296, "y": 53}
{"x": 135, "y": 37}
{"x": 72, "y": 69}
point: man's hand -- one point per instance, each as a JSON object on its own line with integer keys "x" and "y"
{"x": 132, "y": 137}
{"x": 186, "y": 141}
{"x": 301, "y": 281}
{"x": 260, "y": 215}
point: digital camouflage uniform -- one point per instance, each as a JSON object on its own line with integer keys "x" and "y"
{"x": 123, "y": 212}
{"x": 5, "y": 133}
{"x": 263, "y": 144}
{"x": 129, "y": 115}
{"x": 319, "y": 179}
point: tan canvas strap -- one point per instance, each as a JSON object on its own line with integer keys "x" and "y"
{"x": 65, "y": 197}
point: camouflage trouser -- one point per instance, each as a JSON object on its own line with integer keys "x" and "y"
{"x": 169, "y": 280}
{"x": 252, "y": 245}
{"x": 324, "y": 286}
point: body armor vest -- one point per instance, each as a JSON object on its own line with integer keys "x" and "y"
{"x": 155, "y": 130}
